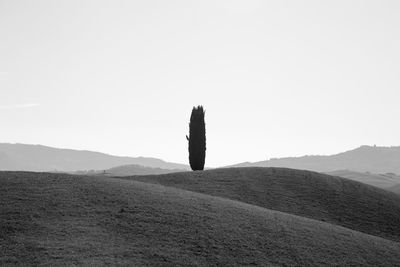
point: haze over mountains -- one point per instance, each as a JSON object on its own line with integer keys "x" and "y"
{"x": 363, "y": 159}
{"x": 23, "y": 157}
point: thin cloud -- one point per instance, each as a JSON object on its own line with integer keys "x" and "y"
{"x": 19, "y": 106}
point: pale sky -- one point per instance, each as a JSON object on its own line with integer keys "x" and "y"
{"x": 277, "y": 78}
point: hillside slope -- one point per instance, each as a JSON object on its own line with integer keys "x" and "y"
{"x": 131, "y": 169}
{"x": 384, "y": 181}
{"x": 128, "y": 170}
{"x": 22, "y": 157}
{"x": 54, "y": 219}
{"x": 395, "y": 189}
{"x": 313, "y": 195}
{"x": 363, "y": 159}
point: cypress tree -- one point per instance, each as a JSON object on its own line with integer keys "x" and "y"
{"x": 197, "y": 139}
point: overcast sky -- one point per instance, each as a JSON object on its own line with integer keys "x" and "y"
{"x": 277, "y": 78}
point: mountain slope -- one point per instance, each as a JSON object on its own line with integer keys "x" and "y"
{"x": 54, "y": 219}
{"x": 42, "y": 158}
{"x": 384, "y": 181}
{"x": 363, "y": 159}
{"x": 313, "y": 195}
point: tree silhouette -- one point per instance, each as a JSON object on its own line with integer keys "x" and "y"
{"x": 197, "y": 139}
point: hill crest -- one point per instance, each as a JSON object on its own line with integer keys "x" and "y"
{"x": 309, "y": 194}
{"x": 372, "y": 159}
{"x": 58, "y": 219}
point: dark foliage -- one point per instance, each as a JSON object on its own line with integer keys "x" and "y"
{"x": 197, "y": 139}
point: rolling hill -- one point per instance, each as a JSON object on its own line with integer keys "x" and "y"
{"x": 59, "y": 219}
{"x": 22, "y": 157}
{"x": 363, "y": 159}
{"x": 395, "y": 189}
{"x": 128, "y": 170}
{"x": 385, "y": 181}
{"x": 313, "y": 195}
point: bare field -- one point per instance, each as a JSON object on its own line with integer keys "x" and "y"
{"x": 309, "y": 194}
{"x": 54, "y": 219}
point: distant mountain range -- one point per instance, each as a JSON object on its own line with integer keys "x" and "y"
{"x": 363, "y": 159}
{"x": 23, "y": 157}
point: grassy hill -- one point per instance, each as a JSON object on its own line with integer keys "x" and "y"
{"x": 395, "y": 189}
{"x": 58, "y": 219}
{"x": 313, "y": 195}
{"x": 384, "y": 181}
{"x": 372, "y": 159}
{"x": 128, "y": 170}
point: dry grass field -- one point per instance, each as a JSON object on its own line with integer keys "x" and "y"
{"x": 385, "y": 181}
{"x": 313, "y": 195}
{"x": 213, "y": 218}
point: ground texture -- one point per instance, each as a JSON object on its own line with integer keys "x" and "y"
{"x": 55, "y": 219}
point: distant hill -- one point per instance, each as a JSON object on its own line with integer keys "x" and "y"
{"x": 308, "y": 194}
{"x": 395, "y": 189}
{"x": 363, "y": 159}
{"x": 22, "y": 157}
{"x": 384, "y": 181}
{"x": 58, "y": 219}
{"x": 128, "y": 170}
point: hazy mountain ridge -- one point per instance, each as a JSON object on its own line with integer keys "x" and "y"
{"x": 363, "y": 159}
{"x": 24, "y": 157}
